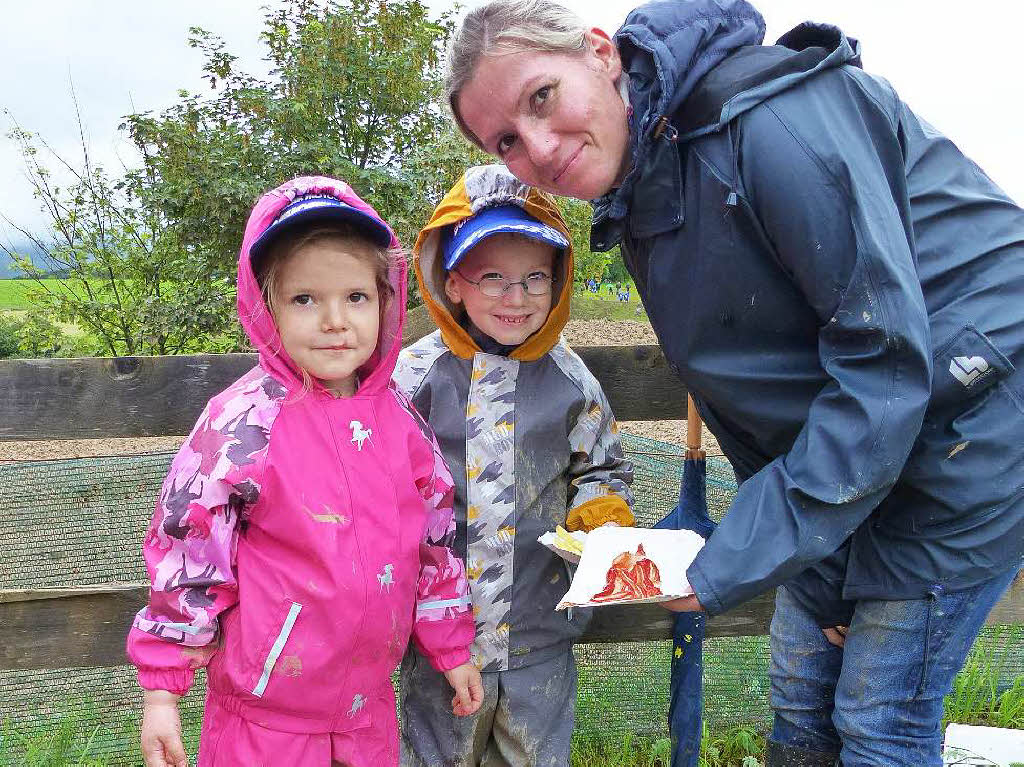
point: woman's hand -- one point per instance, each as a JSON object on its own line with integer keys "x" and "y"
{"x": 688, "y": 604}
{"x": 469, "y": 689}
{"x": 836, "y": 635}
{"x": 161, "y": 730}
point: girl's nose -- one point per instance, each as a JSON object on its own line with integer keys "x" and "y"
{"x": 334, "y": 317}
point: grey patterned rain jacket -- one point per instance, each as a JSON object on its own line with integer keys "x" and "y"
{"x": 529, "y": 436}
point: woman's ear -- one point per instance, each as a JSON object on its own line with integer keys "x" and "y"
{"x": 451, "y": 289}
{"x": 605, "y": 51}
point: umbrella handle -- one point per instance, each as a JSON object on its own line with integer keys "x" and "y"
{"x": 694, "y": 426}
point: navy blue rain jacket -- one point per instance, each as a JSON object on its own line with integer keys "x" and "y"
{"x": 842, "y": 291}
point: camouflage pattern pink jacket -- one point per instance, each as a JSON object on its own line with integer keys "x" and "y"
{"x": 299, "y": 539}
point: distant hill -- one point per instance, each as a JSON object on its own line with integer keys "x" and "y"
{"x": 7, "y": 268}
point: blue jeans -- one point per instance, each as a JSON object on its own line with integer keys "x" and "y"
{"x": 878, "y": 700}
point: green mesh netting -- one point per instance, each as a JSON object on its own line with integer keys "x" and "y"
{"x": 79, "y": 522}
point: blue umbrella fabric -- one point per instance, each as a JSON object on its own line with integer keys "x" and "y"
{"x": 686, "y": 693}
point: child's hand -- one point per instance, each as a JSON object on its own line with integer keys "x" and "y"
{"x": 469, "y": 689}
{"x": 161, "y": 730}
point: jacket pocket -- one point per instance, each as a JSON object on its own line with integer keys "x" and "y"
{"x": 963, "y": 367}
{"x": 273, "y": 645}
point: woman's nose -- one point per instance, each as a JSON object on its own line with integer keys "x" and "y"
{"x": 540, "y": 145}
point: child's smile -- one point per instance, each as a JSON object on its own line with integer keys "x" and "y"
{"x": 515, "y": 315}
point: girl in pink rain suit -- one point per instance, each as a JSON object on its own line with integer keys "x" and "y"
{"x": 300, "y": 539}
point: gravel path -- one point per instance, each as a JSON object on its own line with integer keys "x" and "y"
{"x": 577, "y": 333}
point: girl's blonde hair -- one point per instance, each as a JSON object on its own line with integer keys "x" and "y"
{"x": 351, "y": 238}
{"x": 508, "y": 26}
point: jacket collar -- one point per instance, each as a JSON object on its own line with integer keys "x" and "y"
{"x": 666, "y": 48}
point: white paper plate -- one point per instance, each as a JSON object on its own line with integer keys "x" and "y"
{"x": 672, "y": 551}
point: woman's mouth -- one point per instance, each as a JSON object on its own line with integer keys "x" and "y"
{"x": 568, "y": 164}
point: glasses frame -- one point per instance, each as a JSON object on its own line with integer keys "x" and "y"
{"x": 550, "y": 281}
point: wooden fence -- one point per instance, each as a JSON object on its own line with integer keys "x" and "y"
{"x": 85, "y": 626}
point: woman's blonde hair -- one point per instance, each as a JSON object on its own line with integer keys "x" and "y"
{"x": 507, "y": 26}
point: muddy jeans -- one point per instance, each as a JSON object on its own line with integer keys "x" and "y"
{"x": 877, "y": 701}
{"x": 526, "y": 719}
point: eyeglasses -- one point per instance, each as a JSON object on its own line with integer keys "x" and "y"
{"x": 536, "y": 284}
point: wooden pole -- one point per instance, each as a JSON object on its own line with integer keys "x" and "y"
{"x": 694, "y": 430}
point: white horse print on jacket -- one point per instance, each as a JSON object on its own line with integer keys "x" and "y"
{"x": 359, "y": 434}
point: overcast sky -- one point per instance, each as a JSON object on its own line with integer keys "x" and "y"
{"x": 957, "y": 64}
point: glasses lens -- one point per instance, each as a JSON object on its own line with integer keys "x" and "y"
{"x": 493, "y": 286}
{"x": 538, "y": 285}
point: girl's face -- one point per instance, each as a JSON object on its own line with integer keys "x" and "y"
{"x": 557, "y": 121}
{"x": 516, "y": 315}
{"x": 327, "y": 310}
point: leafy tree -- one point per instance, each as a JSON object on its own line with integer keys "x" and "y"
{"x": 577, "y": 215}
{"x": 616, "y": 269}
{"x": 352, "y": 93}
{"x": 123, "y": 276}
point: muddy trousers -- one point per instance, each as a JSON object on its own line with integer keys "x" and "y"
{"x": 877, "y": 701}
{"x": 526, "y": 719}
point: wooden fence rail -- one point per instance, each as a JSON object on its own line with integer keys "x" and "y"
{"x": 162, "y": 396}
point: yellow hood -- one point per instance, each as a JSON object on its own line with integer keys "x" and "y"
{"x": 480, "y": 187}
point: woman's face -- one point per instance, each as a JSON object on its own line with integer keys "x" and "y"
{"x": 556, "y": 120}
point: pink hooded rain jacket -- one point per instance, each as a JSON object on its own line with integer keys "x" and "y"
{"x": 298, "y": 542}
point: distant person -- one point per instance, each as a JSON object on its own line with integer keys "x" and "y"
{"x": 295, "y": 548}
{"x": 533, "y": 443}
{"x": 840, "y": 289}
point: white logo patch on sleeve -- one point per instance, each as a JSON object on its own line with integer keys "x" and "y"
{"x": 968, "y": 369}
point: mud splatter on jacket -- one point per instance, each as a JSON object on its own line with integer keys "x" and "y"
{"x": 529, "y": 435}
{"x": 300, "y": 539}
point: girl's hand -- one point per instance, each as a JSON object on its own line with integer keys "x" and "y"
{"x": 469, "y": 689}
{"x": 161, "y": 730}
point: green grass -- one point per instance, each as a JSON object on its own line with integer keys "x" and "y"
{"x": 14, "y": 293}
{"x": 977, "y": 697}
{"x": 601, "y": 306}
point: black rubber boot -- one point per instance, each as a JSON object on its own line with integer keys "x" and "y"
{"x": 782, "y": 755}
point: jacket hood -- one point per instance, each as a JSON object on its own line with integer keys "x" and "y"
{"x": 256, "y": 318}
{"x": 672, "y": 49}
{"x": 480, "y": 187}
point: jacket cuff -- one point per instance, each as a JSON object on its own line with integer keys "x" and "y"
{"x": 703, "y": 590}
{"x": 176, "y": 680}
{"x": 446, "y": 661}
{"x": 599, "y": 511}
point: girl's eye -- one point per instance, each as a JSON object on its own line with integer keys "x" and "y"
{"x": 358, "y": 297}
{"x": 303, "y": 299}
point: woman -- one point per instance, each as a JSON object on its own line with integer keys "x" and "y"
{"x": 840, "y": 289}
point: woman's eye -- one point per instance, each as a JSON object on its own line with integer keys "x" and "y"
{"x": 541, "y": 96}
{"x": 505, "y": 143}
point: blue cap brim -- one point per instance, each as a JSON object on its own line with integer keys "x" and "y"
{"x": 504, "y": 219}
{"x": 303, "y": 212}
